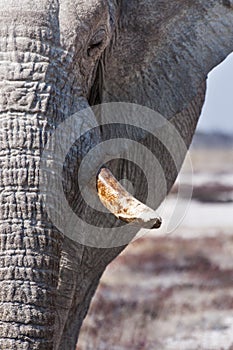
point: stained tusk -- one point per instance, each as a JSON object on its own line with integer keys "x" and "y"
{"x": 122, "y": 204}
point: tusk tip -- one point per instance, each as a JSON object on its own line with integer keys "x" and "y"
{"x": 157, "y": 223}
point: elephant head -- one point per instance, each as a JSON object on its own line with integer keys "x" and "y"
{"x": 58, "y": 57}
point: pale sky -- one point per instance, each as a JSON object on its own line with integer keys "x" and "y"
{"x": 217, "y": 113}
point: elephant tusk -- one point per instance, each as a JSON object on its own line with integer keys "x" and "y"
{"x": 122, "y": 204}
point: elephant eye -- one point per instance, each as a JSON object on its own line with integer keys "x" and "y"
{"x": 96, "y": 43}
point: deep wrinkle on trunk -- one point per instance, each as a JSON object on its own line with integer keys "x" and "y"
{"x": 30, "y": 244}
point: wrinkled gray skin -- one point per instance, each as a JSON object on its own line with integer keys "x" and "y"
{"x": 56, "y": 57}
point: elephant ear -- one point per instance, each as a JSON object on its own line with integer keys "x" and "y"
{"x": 163, "y": 50}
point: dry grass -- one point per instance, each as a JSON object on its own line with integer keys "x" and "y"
{"x": 161, "y": 292}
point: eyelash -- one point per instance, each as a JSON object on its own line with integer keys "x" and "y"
{"x": 95, "y": 44}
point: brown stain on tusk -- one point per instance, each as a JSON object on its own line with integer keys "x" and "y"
{"x": 122, "y": 204}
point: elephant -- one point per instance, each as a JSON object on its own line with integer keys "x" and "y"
{"x": 59, "y": 57}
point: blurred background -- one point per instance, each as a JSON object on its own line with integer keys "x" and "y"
{"x": 175, "y": 292}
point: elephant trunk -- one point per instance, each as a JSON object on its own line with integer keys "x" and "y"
{"x": 29, "y": 244}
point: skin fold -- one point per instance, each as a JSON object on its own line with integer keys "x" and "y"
{"x": 58, "y": 57}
